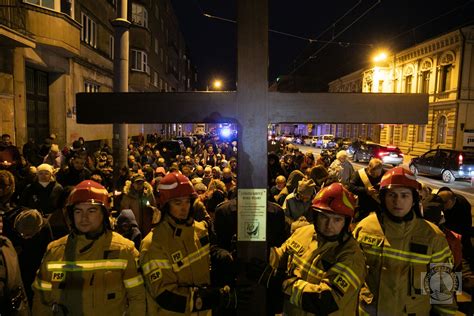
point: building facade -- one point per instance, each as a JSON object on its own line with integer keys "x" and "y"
{"x": 441, "y": 67}
{"x": 52, "y": 49}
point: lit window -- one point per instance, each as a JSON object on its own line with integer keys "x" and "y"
{"x": 139, "y": 61}
{"x": 88, "y": 31}
{"x": 139, "y": 15}
{"x": 404, "y": 133}
{"x": 441, "y": 130}
{"x": 421, "y": 133}
{"x": 155, "y": 78}
{"x": 91, "y": 87}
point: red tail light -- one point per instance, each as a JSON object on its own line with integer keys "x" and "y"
{"x": 460, "y": 159}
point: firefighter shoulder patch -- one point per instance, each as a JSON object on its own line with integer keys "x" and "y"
{"x": 371, "y": 240}
{"x": 177, "y": 256}
{"x": 155, "y": 275}
{"x": 58, "y": 276}
{"x": 294, "y": 246}
{"x": 342, "y": 283}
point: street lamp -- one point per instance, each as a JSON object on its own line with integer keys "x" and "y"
{"x": 216, "y": 84}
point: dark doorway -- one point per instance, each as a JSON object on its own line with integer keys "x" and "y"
{"x": 37, "y": 104}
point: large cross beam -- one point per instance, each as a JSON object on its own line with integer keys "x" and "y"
{"x": 251, "y": 107}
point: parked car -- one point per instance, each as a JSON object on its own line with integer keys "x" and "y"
{"x": 188, "y": 141}
{"x": 323, "y": 140}
{"x": 389, "y": 155}
{"x": 447, "y": 163}
{"x": 169, "y": 149}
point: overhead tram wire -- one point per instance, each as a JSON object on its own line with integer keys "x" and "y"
{"x": 335, "y": 36}
{"x": 311, "y": 40}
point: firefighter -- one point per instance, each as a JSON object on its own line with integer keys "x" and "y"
{"x": 403, "y": 251}
{"x": 175, "y": 258}
{"x": 91, "y": 271}
{"x": 320, "y": 268}
{"x": 12, "y": 293}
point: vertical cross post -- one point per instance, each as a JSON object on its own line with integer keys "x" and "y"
{"x": 252, "y": 109}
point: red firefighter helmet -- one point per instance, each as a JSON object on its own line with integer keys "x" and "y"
{"x": 399, "y": 177}
{"x": 335, "y": 199}
{"x": 175, "y": 185}
{"x": 89, "y": 191}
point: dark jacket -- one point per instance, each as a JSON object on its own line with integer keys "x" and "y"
{"x": 44, "y": 199}
{"x": 71, "y": 177}
{"x": 127, "y": 226}
{"x": 366, "y": 203}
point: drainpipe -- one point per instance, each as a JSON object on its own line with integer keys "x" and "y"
{"x": 458, "y": 94}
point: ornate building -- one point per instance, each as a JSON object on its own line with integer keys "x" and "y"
{"x": 441, "y": 67}
{"x": 52, "y": 49}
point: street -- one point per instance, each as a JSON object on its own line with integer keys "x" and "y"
{"x": 459, "y": 186}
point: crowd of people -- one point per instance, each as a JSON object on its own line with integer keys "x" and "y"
{"x": 161, "y": 238}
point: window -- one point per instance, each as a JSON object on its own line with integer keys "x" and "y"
{"x": 404, "y": 133}
{"x": 156, "y": 46}
{"x": 445, "y": 71}
{"x": 139, "y": 15}
{"x": 139, "y": 61}
{"x": 425, "y": 82}
{"x": 111, "y": 47}
{"x": 441, "y": 130}
{"x": 421, "y": 135}
{"x": 408, "y": 82}
{"x": 155, "y": 78}
{"x": 445, "y": 78}
{"x": 91, "y": 87}
{"x": 380, "y": 88}
{"x": 88, "y": 31}
{"x": 43, "y": 3}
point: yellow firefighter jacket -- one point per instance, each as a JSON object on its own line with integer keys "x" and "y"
{"x": 175, "y": 260}
{"x": 79, "y": 276}
{"x": 332, "y": 271}
{"x": 398, "y": 258}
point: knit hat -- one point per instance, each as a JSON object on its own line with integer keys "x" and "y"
{"x": 45, "y": 167}
{"x": 28, "y": 223}
{"x": 306, "y": 187}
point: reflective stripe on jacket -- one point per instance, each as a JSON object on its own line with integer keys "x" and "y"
{"x": 399, "y": 257}
{"x": 79, "y": 276}
{"x": 175, "y": 260}
{"x": 317, "y": 266}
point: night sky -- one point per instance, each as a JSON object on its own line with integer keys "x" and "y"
{"x": 362, "y": 28}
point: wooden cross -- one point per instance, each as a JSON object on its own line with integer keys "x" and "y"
{"x": 252, "y": 107}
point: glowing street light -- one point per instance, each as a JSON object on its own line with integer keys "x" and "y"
{"x": 380, "y": 57}
{"x": 217, "y": 84}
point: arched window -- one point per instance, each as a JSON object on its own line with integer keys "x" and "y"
{"x": 445, "y": 71}
{"x": 441, "y": 130}
{"x": 408, "y": 74}
{"x": 425, "y": 67}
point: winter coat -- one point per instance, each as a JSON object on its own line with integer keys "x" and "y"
{"x": 175, "y": 260}
{"x": 367, "y": 203}
{"x": 11, "y": 286}
{"x": 89, "y": 277}
{"x": 127, "y": 217}
{"x": 323, "y": 276}
{"x": 342, "y": 171}
{"x": 44, "y": 199}
{"x": 398, "y": 256}
{"x": 139, "y": 203}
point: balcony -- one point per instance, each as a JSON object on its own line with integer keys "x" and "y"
{"x": 13, "y": 31}
{"x": 54, "y": 29}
